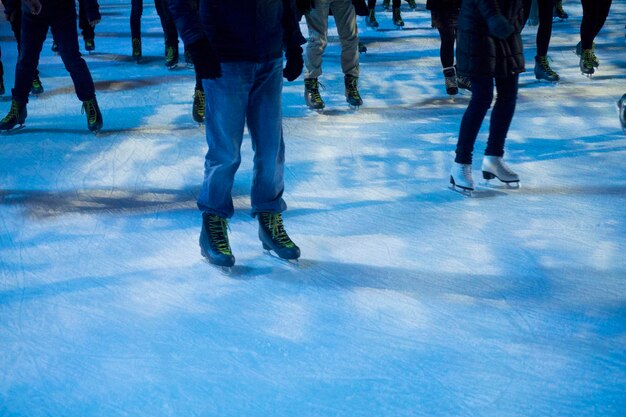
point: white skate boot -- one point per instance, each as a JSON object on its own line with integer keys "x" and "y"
{"x": 494, "y": 167}
{"x": 461, "y": 178}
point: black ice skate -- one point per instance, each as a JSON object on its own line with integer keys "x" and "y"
{"x": 90, "y": 45}
{"x": 452, "y": 87}
{"x": 274, "y": 237}
{"x": 36, "y": 88}
{"x": 312, "y": 95}
{"x": 136, "y": 49}
{"x": 198, "y": 106}
{"x": 543, "y": 70}
{"x": 463, "y": 82}
{"x": 412, "y": 4}
{"x": 558, "y": 12}
{"x": 586, "y": 62}
{"x": 397, "y": 18}
{"x": 362, "y": 47}
{"x": 370, "y": 19}
{"x": 17, "y": 116}
{"x": 594, "y": 58}
{"x": 352, "y": 91}
{"x": 494, "y": 167}
{"x": 171, "y": 57}
{"x": 94, "y": 117}
{"x": 214, "y": 245}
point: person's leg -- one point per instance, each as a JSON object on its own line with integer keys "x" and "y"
{"x": 544, "y": 31}
{"x": 502, "y": 114}
{"x": 587, "y": 24}
{"x": 447, "y": 35}
{"x": 226, "y": 104}
{"x": 135, "y": 18}
{"x": 345, "y": 19}
{"x": 527, "y": 5}
{"x": 602, "y": 8}
{"x": 167, "y": 22}
{"x": 264, "y": 117}
{"x": 87, "y": 30}
{"x": 317, "y": 22}
{"x": 64, "y": 31}
{"x": 482, "y": 96}
{"x": 33, "y": 34}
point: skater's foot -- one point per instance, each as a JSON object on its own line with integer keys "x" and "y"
{"x": 495, "y": 167}
{"x": 214, "y": 244}
{"x": 274, "y": 237}
{"x": 461, "y": 177}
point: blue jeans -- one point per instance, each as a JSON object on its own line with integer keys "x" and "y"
{"x": 501, "y": 116}
{"x": 251, "y": 93}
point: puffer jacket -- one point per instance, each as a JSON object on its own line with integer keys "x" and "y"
{"x": 240, "y": 30}
{"x": 488, "y": 38}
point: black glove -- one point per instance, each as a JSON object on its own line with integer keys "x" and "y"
{"x": 204, "y": 59}
{"x": 295, "y": 63}
{"x": 304, "y": 6}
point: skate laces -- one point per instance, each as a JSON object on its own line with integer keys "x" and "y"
{"x": 314, "y": 90}
{"x": 218, "y": 229}
{"x": 544, "y": 63}
{"x": 170, "y": 54}
{"x": 200, "y": 101}
{"x": 89, "y": 106}
{"x": 136, "y": 46}
{"x": 353, "y": 91}
{"x": 587, "y": 57}
{"x": 14, "y": 112}
{"x": 36, "y": 82}
{"x": 274, "y": 224}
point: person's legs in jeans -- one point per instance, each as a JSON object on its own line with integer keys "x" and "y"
{"x": 502, "y": 114}
{"x": 264, "y": 118}
{"x": 482, "y": 96}
{"x": 65, "y": 33}
{"x": 226, "y": 106}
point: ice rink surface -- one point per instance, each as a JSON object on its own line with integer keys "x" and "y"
{"x": 409, "y": 299}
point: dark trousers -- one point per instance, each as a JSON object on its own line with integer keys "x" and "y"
{"x": 167, "y": 22}
{"x": 501, "y": 116}
{"x": 372, "y": 3}
{"x": 16, "y": 27}
{"x": 544, "y": 30}
{"x": 62, "y": 23}
{"x": 595, "y": 13}
{"x": 447, "y": 36}
{"x": 83, "y": 23}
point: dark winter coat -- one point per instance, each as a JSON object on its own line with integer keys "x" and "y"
{"x": 240, "y": 30}
{"x": 50, "y": 7}
{"x": 443, "y": 5}
{"x": 488, "y": 38}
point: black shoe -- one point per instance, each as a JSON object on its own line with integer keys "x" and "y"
{"x": 274, "y": 237}
{"x": 94, "y": 117}
{"x": 463, "y": 82}
{"x": 543, "y": 70}
{"x": 136, "y": 49}
{"x": 214, "y": 243}
{"x": 586, "y": 62}
{"x": 397, "y": 17}
{"x": 90, "y": 44}
{"x": 171, "y": 56}
{"x": 412, "y": 4}
{"x": 558, "y": 10}
{"x": 198, "y": 106}
{"x": 452, "y": 86}
{"x": 352, "y": 90}
{"x": 17, "y": 116}
{"x": 362, "y": 47}
{"x": 36, "y": 88}
{"x": 370, "y": 19}
{"x": 312, "y": 95}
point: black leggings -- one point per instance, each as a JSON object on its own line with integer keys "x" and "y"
{"x": 595, "y": 13}
{"x": 446, "y": 50}
{"x": 544, "y": 30}
{"x": 372, "y": 3}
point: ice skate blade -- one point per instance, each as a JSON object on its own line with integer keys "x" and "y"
{"x": 502, "y": 185}
{"x": 274, "y": 255}
{"x": 12, "y": 130}
{"x": 463, "y": 191}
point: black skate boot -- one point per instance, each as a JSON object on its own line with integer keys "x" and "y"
{"x": 586, "y": 62}
{"x": 370, "y": 19}
{"x": 397, "y": 17}
{"x": 312, "y": 95}
{"x": 463, "y": 82}
{"x": 543, "y": 70}
{"x": 386, "y": 5}
{"x": 136, "y": 49}
{"x": 274, "y": 237}
{"x": 36, "y": 88}
{"x": 594, "y": 58}
{"x": 353, "y": 97}
{"x": 559, "y": 13}
{"x": 198, "y": 106}
{"x": 171, "y": 56}
{"x": 94, "y": 117}
{"x": 362, "y": 47}
{"x": 90, "y": 44}
{"x": 214, "y": 243}
{"x": 452, "y": 87}
{"x": 412, "y": 4}
{"x": 17, "y": 116}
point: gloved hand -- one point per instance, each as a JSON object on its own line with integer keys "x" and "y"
{"x": 295, "y": 63}
{"x": 204, "y": 59}
{"x": 500, "y": 27}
